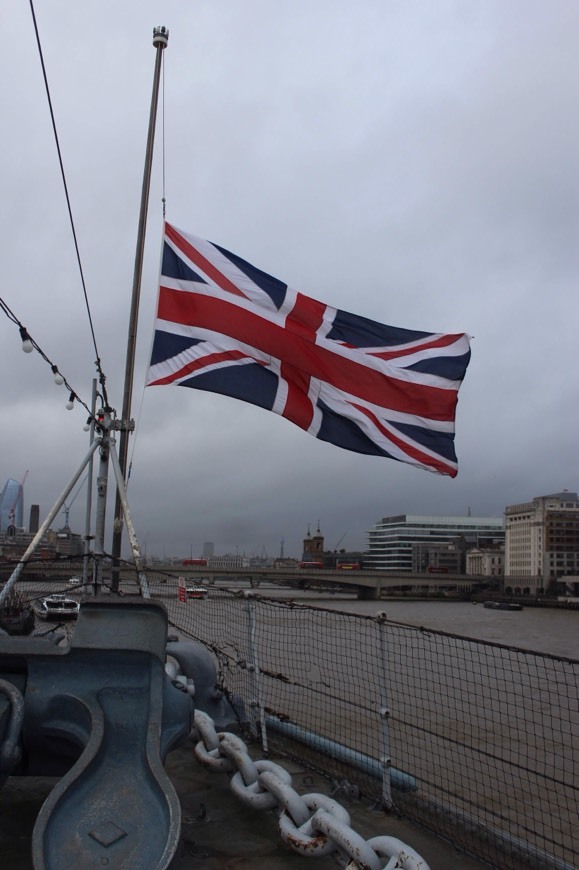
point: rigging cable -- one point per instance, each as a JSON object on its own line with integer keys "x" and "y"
{"x": 101, "y": 374}
{"x": 77, "y": 493}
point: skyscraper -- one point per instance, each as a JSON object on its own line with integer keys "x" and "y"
{"x": 11, "y": 501}
{"x": 34, "y": 519}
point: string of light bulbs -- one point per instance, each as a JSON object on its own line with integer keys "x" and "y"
{"x": 28, "y": 345}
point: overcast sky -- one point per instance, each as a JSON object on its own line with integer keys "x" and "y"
{"x": 413, "y": 161}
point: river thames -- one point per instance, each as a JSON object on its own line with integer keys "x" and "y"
{"x": 546, "y": 630}
{"x": 542, "y": 629}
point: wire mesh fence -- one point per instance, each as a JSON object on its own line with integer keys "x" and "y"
{"x": 476, "y": 741}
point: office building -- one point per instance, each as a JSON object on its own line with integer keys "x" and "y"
{"x": 394, "y": 542}
{"x": 208, "y": 550}
{"x": 34, "y": 523}
{"x": 542, "y": 540}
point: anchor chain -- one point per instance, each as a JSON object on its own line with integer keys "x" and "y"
{"x": 313, "y": 824}
{"x": 10, "y": 746}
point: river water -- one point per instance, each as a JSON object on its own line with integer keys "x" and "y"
{"x": 545, "y": 630}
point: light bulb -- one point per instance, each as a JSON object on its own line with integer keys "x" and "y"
{"x": 58, "y": 379}
{"x": 26, "y": 343}
{"x": 70, "y": 403}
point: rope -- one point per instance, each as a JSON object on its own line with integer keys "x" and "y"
{"x": 101, "y": 374}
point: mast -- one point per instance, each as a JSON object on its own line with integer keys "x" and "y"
{"x": 160, "y": 40}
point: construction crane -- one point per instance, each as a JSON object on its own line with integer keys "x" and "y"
{"x": 340, "y": 541}
{"x": 12, "y": 511}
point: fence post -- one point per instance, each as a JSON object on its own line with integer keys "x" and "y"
{"x": 385, "y": 757}
{"x": 255, "y": 682}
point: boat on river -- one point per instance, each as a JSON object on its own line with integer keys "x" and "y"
{"x": 197, "y": 592}
{"x": 55, "y": 608}
{"x": 502, "y": 605}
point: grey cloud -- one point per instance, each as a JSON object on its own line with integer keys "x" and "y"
{"x": 415, "y": 163}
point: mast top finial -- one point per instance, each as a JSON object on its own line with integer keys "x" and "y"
{"x": 160, "y": 36}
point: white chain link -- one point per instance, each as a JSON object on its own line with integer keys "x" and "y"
{"x": 311, "y": 824}
{"x": 304, "y": 839}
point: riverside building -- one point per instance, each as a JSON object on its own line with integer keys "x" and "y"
{"x": 542, "y": 540}
{"x": 486, "y": 561}
{"x": 394, "y": 541}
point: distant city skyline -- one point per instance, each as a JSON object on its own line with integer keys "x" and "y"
{"x": 386, "y": 541}
{"x": 201, "y": 547}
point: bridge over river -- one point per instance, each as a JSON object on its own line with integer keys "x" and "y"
{"x": 368, "y": 583}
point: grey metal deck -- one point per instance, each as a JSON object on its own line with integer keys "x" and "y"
{"x": 217, "y": 832}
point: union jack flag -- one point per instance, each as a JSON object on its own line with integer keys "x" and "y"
{"x": 227, "y": 327}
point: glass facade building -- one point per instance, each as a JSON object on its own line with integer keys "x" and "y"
{"x": 392, "y": 539}
{"x": 11, "y": 499}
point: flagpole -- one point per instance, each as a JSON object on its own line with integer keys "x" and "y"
{"x": 126, "y": 425}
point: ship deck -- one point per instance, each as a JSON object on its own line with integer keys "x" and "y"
{"x": 217, "y": 832}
